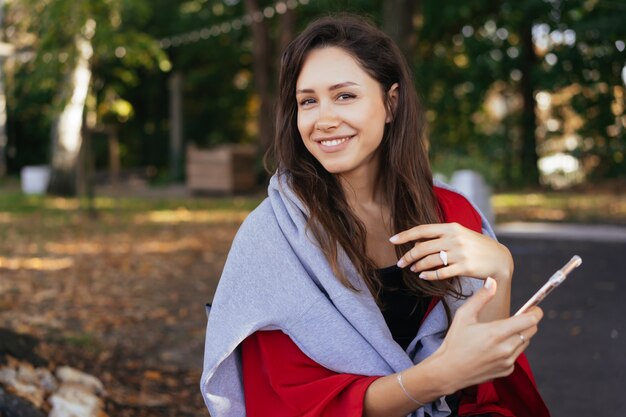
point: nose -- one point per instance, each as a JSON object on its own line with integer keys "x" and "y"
{"x": 327, "y": 118}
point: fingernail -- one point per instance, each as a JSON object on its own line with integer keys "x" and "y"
{"x": 489, "y": 283}
{"x": 401, "y": 263}
{"x": 393, "y": 239}
{"x": 413, "y": 268}
{"x": 422, "y": 275}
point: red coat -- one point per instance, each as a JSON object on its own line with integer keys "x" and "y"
{"x": 281, "y": 381}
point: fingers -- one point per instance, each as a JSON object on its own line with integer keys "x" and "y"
{"x": 433, "y": 268}
{"x": 492, "y": 348}
{"x": 507, "y": 331}
{"x": 420, "y": 251}
{"x": 520, "y": 340}
{"x": 517, "y": 324}
{"x": 440, "y": 273}
{"x": 423, "y": 231}
{"x": 535, "y": 314}
{"x": 514, "y": 345}
{"x": 428, "y": 262}
{"x": 449, "y": 244}
{"x": 523, "y": 339}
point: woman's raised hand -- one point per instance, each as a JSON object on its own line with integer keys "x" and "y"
{"x": 474, "y": 352}
{"x": 465, "y": 252}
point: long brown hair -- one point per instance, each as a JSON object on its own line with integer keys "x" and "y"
{"x": 405, "y": 175}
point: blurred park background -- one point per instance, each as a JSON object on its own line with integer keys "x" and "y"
{"x": 146, "y": 120}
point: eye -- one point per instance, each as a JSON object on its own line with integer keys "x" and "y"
{"x": 345, "y": 96}
{"x": 307, "y": 102}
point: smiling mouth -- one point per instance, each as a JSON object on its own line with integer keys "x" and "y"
{"x": 334, "y": 142}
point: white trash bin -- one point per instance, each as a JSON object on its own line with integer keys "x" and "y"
{"x": 35, "y": 179}
{"x": 473, "y": 186}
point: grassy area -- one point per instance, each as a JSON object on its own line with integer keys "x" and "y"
{"x": 41, "y": 219}
{"x": 17, "y": 202}
{"x": 582, "y": 207}
{"x": 51, "y": 213}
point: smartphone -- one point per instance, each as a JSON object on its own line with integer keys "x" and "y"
{"x": 554, "y": 281}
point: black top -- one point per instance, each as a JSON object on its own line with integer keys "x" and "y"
{"x": 403, "y": 312}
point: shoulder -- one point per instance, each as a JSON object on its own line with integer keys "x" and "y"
{"x": 257, "y": 225}
{"x": 456, "y": 208}
{"x": 257, "y": 240}
{"x": 259, "y": 215}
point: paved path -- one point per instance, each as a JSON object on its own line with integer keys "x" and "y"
{"x": 563, "y": 231}
{"x": 579, "y": 356}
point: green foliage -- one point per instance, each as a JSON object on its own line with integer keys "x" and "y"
{"x": 467, "y": 49}
{"x": 467, "y": 54}
{"x": 595, "y": 68}
{"x": 121, "y": 53}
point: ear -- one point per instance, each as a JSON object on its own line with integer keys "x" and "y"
{"x": 392, "y": 99}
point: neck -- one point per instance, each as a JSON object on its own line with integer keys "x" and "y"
{"x": 361, "y": 187}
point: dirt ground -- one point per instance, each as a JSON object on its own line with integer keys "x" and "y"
{"x": 120, "y": 297}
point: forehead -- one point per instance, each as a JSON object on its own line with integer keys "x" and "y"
{"x": 331, "y": 65}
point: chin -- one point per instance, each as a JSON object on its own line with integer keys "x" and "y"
{"x": 335, "y": 169}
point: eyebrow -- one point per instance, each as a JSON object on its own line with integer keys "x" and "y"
{"x": 331, "y": 88}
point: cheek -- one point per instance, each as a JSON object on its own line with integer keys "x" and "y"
{"x": 370, "y": 119}
{"x": 302, "y": 123}
{"x": 303, "y": 130}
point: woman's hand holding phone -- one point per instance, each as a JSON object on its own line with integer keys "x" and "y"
{"x": 474, "y": 352}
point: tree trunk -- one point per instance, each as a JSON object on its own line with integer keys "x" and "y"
{"x": 3, "y": 104}
{"x": 67, "y": 129}
{"x": 3, "y": 123}
{"x": 176, "y": 125}
{"x": 262, "y": 65}
{"x": 398, "y": 18}
{"x": 114, "y": 155}
{"x": 529, "y": 159}
{"x": 287, "y": 31}
{"x": 85, "y": 173}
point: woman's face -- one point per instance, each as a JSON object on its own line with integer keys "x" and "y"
{"x": 341, "y": 112}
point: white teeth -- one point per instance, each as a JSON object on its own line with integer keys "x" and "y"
{"x": 333, "y": 142}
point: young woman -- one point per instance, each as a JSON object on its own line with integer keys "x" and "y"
{"x": 358, "y": 287}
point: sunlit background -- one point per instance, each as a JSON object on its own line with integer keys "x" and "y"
{"x": 131, "y": 135}
{"x": 525, "y": 93}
